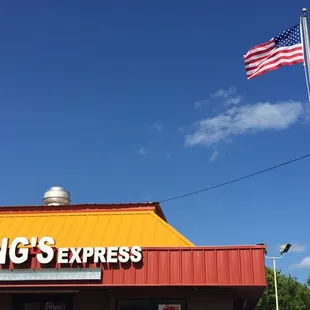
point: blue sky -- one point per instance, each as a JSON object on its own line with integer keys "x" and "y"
{"x": 105, "y": 99}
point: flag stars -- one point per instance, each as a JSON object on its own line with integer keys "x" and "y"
{"x": 288, "y": 37}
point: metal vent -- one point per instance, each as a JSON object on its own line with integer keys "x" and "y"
{"x": 56, "y": 196}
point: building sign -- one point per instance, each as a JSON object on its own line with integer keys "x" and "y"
{"x": 19, "y": 251}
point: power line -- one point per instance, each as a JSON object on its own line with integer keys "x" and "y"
{"x": 235, "y": 180}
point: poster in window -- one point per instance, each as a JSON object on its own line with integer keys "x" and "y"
{"x": 169, "y": 307}
{"x": 56, "y": 306}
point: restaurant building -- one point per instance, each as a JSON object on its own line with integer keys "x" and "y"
{"x": 117, "y": 257}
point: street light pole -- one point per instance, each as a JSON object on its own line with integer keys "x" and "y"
{"x": 283, "y": 249}
{"x": 274, "y": 258}
{"x": 275, "y": 283}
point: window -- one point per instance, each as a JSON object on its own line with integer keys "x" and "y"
{"x": 151, "y": 304}
{"x": 42, "y": 302}
{"x": 32, "y": 306}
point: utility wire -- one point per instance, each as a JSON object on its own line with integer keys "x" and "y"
{"x": 235, "y": 180}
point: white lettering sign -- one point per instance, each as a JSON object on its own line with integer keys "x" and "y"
{"x": 19, "y": 251}
{"x": 23, "y": 252}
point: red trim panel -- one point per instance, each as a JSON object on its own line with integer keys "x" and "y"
{"x": 197, "y": 266}
{"x": 153, "y": 206}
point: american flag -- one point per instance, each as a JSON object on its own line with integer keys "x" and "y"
{"x": 285, "y": 49}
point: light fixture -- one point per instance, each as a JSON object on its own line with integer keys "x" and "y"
{"x": 284, "y": 248}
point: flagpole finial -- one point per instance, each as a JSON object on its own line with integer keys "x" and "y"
{"x": 304, "y": 11}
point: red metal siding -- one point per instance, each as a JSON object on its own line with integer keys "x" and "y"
{"x": 196, "y": 266}
{"x": 200, "y": 266}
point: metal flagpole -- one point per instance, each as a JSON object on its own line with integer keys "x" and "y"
{"x": 306, "y": 48}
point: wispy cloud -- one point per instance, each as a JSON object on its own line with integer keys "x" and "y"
{"x": 304, "y": 264}
{"x": 157, "y": 127}
{"x": 245, "y": 119}
{"x": 233, "y": 100}
{"x": 200, "y": 103}
{"x": 299, "y": 248}
{"x": 224, "y": 93}
{"x": 142, "y": 151}
{"x": 214, "y": 156}
{"x": 227, "y": 96}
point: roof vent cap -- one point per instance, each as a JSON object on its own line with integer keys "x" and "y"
{"x": 56, "y": 196}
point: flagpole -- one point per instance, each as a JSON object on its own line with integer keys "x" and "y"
{"x": 306, "y": 48}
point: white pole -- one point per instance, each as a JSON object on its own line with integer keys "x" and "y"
{"x": 306, "y": 49}
{"x": 305, "y": 68}
{"x": 306, "y": 38}
{"x": 274, "y": 258}
{"x": 275, "y": 283}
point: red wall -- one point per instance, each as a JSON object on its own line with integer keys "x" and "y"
{"x": 206, "y": 266}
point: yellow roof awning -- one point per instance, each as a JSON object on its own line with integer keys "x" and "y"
{"x": 102, "y": 228}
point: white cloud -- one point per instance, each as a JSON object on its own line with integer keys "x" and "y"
{"x": 233, "y": 100}
{"x": 224, "y": 93}
{"x": 304, "y": 264}
{"x": 200, "y": 103}
{"x": 298, "y": 248}
{"x": 229, "y": 96}
{"x": 243, "y": 120}
{"x": 214, "y": 155}
{"x": 157, "y": 127}
{"x": 142, "y": 151}
{"x": 197, "y": 104}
